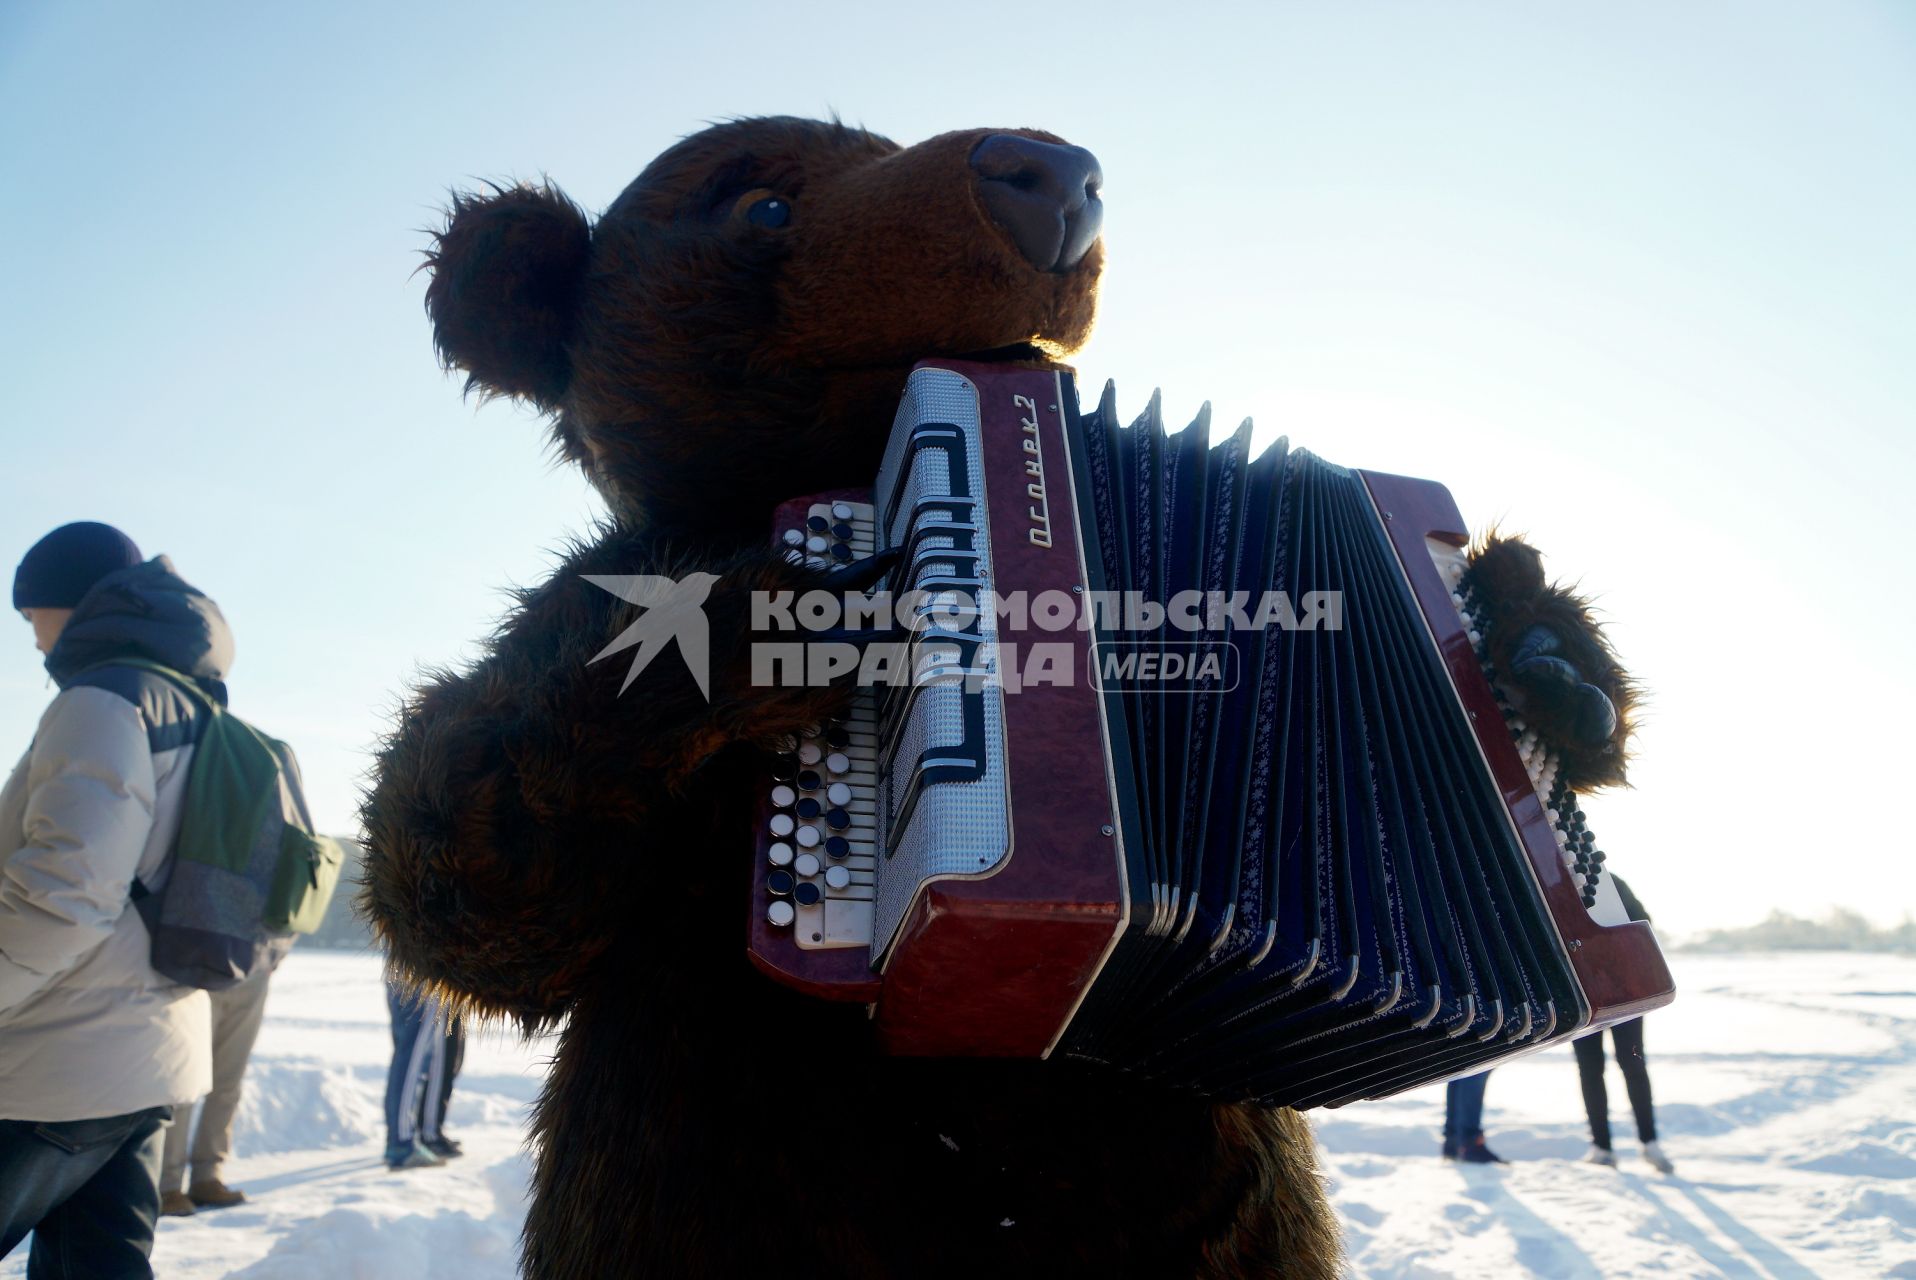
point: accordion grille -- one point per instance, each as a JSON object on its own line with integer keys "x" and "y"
{"x": 943, "y": 803}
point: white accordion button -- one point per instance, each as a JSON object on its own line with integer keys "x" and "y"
{"x": 783, "y": 796}
{"x": 794, "y": 538}
{"x": 780, "y": 854}
{"x": 838, "y": 762}
{"x": 837, "y": 878}
{"x": 808, "y": 837}
{"x": 806, "y": 865}
{"x": 781, "y": 914}
{"x": 842, "y": 510}
{"x": 839, "y": 794}
{"x": 782, "y": 824}
{"x": 817, "y": 543}
{"x": 809, "y": 753}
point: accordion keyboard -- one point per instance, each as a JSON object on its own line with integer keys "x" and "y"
{"x": 823, "y": 834}
{"x": 1576, "y": 843}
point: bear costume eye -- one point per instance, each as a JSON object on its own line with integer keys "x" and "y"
{"x": 769, "y": 211}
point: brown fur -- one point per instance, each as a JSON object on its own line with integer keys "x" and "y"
{"x": 542, "y": 847}
{"x": 1506, "y": 574}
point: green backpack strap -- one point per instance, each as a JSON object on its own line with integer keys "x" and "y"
{"x": 233, "y": 783}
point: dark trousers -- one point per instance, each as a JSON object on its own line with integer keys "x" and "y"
{"x": 1464, "y": 1108}
{"x": 88, "y": 1190}
{"x": 1628, "y": 1037}
{"x": 429, "y": 1046}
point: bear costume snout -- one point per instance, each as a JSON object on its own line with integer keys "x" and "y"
{"x": 770, "y": 283}
{"x": 1047, "y": 195}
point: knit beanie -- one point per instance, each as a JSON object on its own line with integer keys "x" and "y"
{"x": 63, "y": 566}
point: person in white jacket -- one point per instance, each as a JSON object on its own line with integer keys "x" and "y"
{"x": 96, "y": 1048}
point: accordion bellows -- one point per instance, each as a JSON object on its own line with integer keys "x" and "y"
{"x": 1259, "y": 825}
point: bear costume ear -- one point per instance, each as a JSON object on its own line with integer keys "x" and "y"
{"x": 504, "y": 296}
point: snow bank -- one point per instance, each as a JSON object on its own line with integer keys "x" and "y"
{"x": 1786, "y": 1089}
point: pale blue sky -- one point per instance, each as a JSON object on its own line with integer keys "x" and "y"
{"x": 1636, "y": 278}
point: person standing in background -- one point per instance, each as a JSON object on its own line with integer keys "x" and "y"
{"x": 96, "y": 1047}
{"x": 1464, "y": 1121}
{"x": 429, "y": 1044}
{"x": 237, "y": 1013}
{"x": 1628, "y": 1038}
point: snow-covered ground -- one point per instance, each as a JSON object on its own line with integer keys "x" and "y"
{"x": 1786, "y": 1095}
{"x": 1786, "y": 1090}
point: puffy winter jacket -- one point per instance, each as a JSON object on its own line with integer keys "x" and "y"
{"x": 87, "y": 1028}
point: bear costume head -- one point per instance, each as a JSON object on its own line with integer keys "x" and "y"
{"x": 737, "y": 326}
{"x": 548, "y": 844}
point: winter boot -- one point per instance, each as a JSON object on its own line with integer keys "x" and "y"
{"x": 1475, "y": 1152}
{"x": 410, "y": 1155}
{"x": 211, "y": 1193}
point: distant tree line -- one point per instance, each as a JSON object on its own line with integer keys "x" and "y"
{"x": 1840, "y": 930}
{"x": 342, "y": 929}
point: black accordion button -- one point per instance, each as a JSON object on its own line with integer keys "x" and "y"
{"x": 808, "y": 780}
{"x": 818, "y": 524}
{"x": 838, "y": 736}
{"x": 807, "y": 894}
{"x": 838, "y": 819}
{"x": 837, "y": 846}
{"x": 780, "y": 882}
{"x": 842, "y": 531}
{"x": 809, "y": 808}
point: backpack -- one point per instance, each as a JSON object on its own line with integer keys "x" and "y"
{"x": 248, "y": 872}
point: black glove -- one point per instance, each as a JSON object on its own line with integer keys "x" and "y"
{"x": 1538, "y": 667}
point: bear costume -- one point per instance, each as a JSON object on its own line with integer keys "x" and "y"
{"x": 735, "y": 330}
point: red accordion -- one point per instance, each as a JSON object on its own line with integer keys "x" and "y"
{"x": 1189, "y": 764}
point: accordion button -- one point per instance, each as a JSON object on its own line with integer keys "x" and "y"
{"x": 837, "y": 878}
{"x": 780, "y": 853}
{"x": 838, "y": 736}
{"x": 808, "y": 780}
{"x": 837, "y": 846}
{"x": 841, "y": 552}
{"x": 842, "y": 510}
{"x": 839, "y": 794}
{"x": 818, "y": 524}
{"x": 806, "y": 865}
{"x": 780, "y": 882}
{"x": 817, "y": 543}
{"x": 807, "y": 894}
{"x": 782, "y": 824}
{"x": 781, "y": 914}
{"x": 782, "y": 796}
{"x": 809, "y": 753}
{"x": 838, "y": 820}
{"x": 794, "y": 538}
{"x": 838, "y": 762}
{"x": 784, "y": 764}
{"x": 843, "y": 532}
{"x": 808, "y": 837}
{"x": 809, "y": 808}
